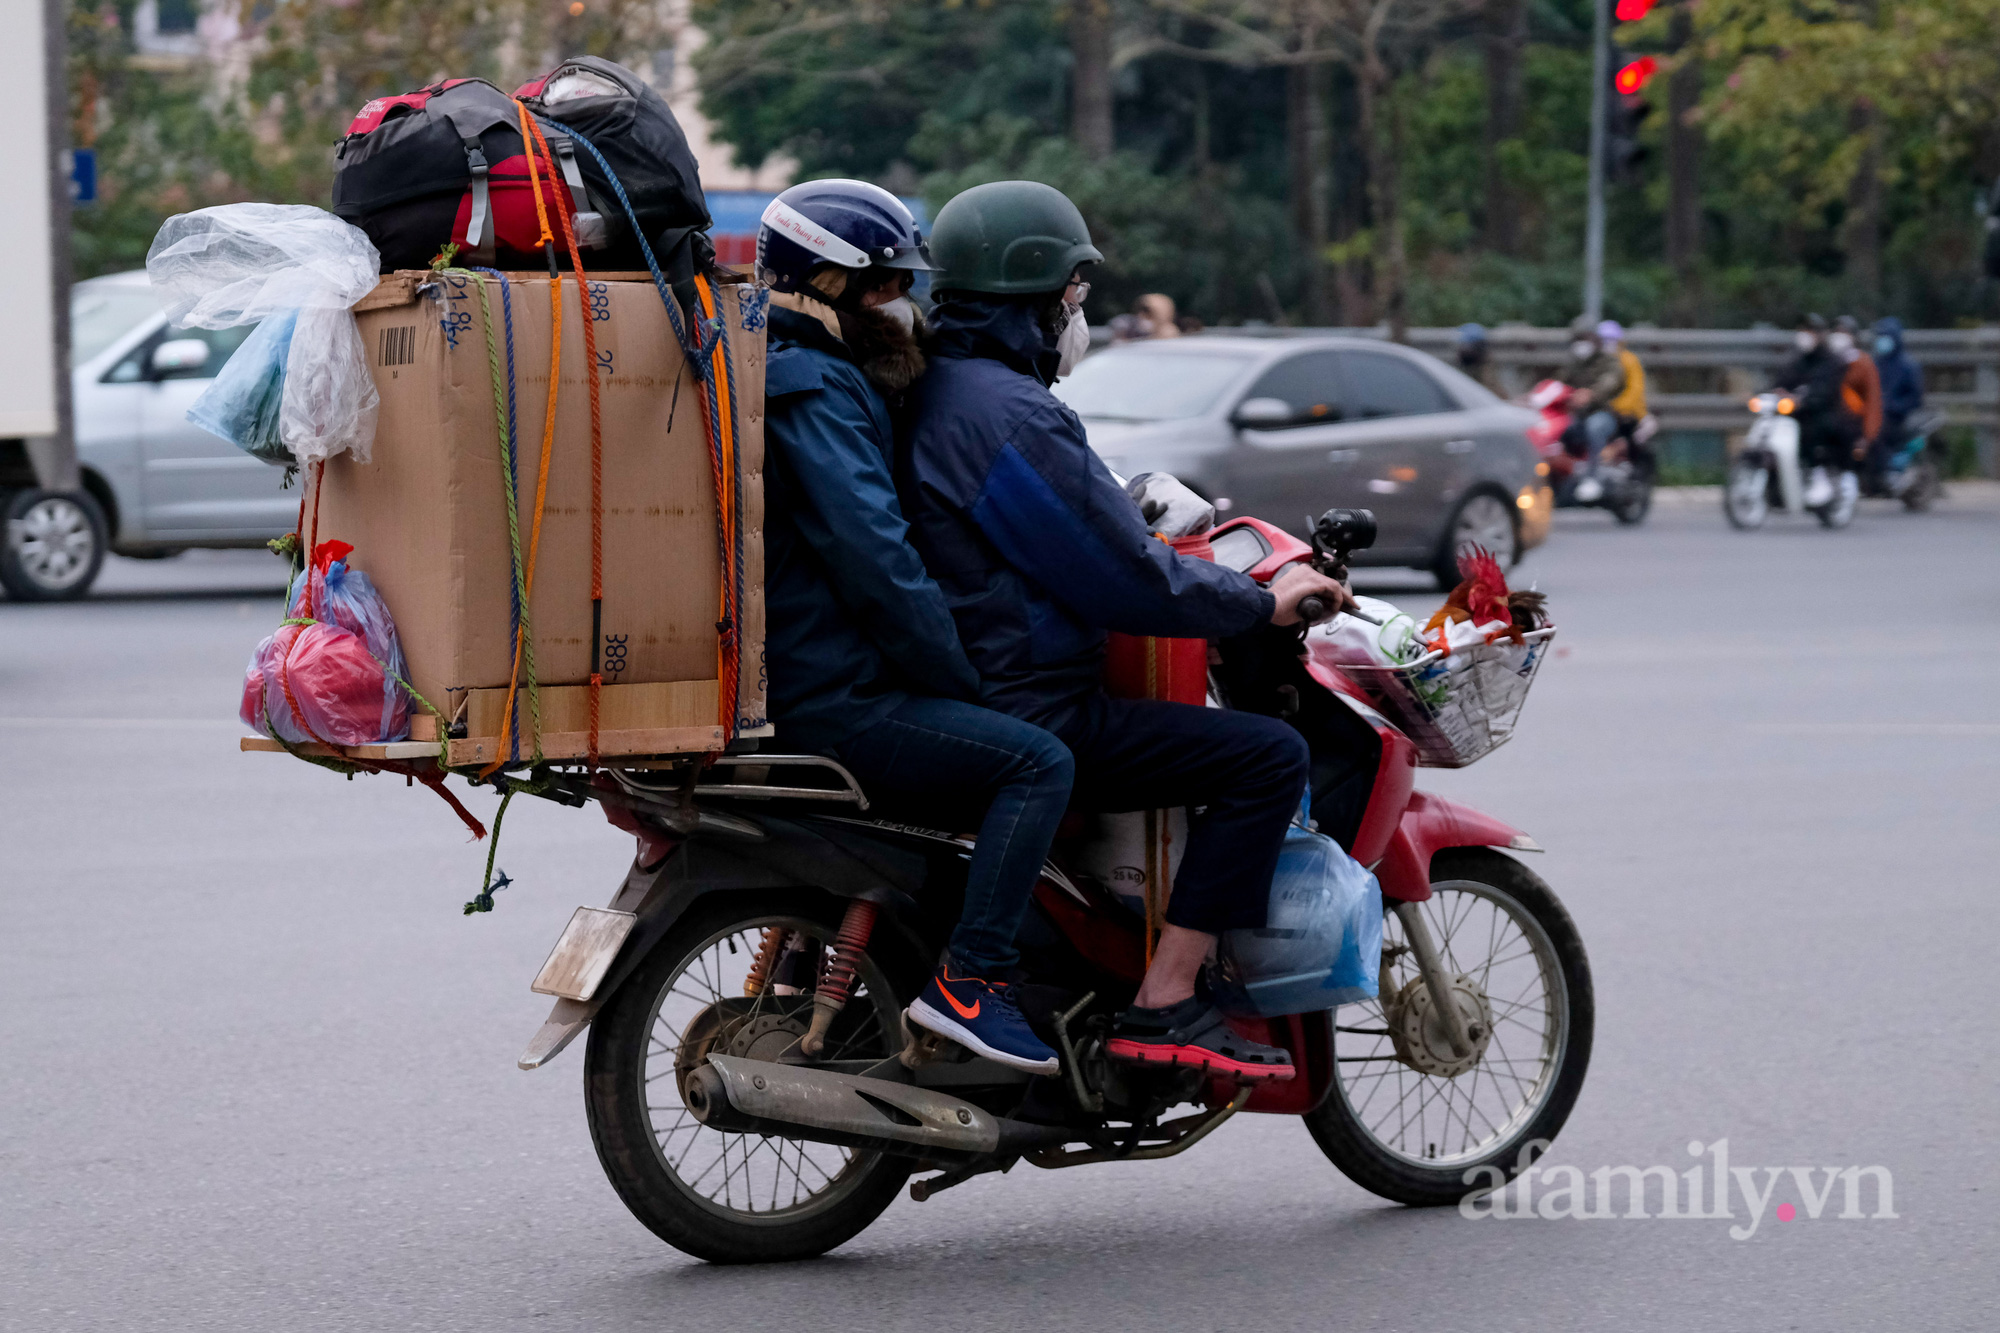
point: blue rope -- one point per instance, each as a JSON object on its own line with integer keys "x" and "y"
{"x": 732, "y": 561}
{"x": 645, "y": 248}
{"x": 513, "y": 475}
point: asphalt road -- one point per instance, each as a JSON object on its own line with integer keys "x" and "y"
{"x": 260, "y": 1070}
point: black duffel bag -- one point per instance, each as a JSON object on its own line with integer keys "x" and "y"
{"x": 630, "y": 124}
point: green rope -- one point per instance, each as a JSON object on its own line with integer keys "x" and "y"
{"x": 483, "y": 900}
{"x": 507, "y": 483}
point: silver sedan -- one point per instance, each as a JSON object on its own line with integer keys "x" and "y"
{"x": 1286, "y": 428}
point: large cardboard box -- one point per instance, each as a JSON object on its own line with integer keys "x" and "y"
{"x": 428, "y": 521}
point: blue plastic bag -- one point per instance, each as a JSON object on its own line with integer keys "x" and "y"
{"x": 1321, "y": 944}
{"x": 242, "y": 404}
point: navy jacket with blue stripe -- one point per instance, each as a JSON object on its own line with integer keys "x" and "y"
{"x": 1037, "y": 547}
{"x": 854, "y": 625}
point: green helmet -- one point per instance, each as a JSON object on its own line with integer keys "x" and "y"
{"x": 1009, "y": 238}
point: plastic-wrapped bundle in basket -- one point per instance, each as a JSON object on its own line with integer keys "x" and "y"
{"x": 1456, "y": 706}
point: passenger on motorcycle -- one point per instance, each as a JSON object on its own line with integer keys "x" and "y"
{"x": 1861, "y": 385}
{"x": 1040, "y": 550}
{"x": 1815, "y": 377}
{"x": 865, "y": 662}
{"x": 1902, "y": 381}
{"x": 1596, "y": 377}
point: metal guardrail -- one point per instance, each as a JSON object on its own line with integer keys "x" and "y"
{"x": 1700, "y": 379}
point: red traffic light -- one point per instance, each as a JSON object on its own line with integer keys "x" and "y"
{"x": 1633, "y": 76}
{"x": 1631, "y": 11}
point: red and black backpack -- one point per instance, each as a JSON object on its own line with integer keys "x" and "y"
{"x": 446, "y": 164}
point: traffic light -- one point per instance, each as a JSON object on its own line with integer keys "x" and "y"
{"x": 1623, "y": 152}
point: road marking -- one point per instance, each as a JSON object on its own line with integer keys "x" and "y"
{"x": 1968, "y": 729}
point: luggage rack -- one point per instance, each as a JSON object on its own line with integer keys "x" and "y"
{"x": 1460, "y": 706}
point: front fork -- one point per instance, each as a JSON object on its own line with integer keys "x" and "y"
{"x": 1431, "y": 967}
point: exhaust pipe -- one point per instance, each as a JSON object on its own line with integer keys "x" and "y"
{"x": 790, "y": 1101}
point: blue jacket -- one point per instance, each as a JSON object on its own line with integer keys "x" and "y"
{"x": 853, "y": 623}
{"x": 1039, "y": 551}
{"x": 1902, "y": 378}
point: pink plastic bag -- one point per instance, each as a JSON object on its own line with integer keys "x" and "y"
{"x": 336, "y": 680}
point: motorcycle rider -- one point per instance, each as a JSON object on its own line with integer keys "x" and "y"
{"x": 1902, "y": 381}
{"x": 1040, "y": 550}
{"x": 1815, "y": 376}
{"x": 865, "y": 662}
{"x": 1596, "y": 377}
{"x": 1475, "y": 356}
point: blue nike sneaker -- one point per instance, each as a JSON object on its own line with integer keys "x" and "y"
{"x": 981, "y": 1016}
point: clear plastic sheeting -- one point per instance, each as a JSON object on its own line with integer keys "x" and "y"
{"x": 242, "y": 263}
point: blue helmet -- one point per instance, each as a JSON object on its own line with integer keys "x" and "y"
{"x": 1472, "y": 333}
{"x": 849, "y": 223}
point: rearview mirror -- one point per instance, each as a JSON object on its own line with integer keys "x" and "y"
{"x": 176, "y": 354}
{"x": 1263, "y": 413}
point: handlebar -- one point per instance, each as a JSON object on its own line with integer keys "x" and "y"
{"x": 1314, "y": 610}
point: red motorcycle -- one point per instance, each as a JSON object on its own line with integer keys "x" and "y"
{"x": 754, "y": 1093}
{"x": 1626, "y": 470}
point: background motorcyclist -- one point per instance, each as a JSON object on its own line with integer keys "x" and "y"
{"x": 1815, "y": 376}
{"x": 1902, "y": 381}
{"x": 1039, "y": 551}
{"x": 1475, "y": 356}
{"x": 1629, "y": 405}
{"x": 865, "y": 662}
{"x": 1596, "y": 377}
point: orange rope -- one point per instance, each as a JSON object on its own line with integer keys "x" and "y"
{"x": 725, "y": 472}
{"x": 596, "y": 453}
{"x": 528, "y": 129}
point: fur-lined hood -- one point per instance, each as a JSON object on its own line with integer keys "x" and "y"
{"x": 887, "y": 353}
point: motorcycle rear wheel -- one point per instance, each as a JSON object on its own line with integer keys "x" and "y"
{"x": 732, "y": 1198}
{"x": 1428, "y": 1140}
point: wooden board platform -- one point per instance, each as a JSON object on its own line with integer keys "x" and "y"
{"x": 664, "y": 718}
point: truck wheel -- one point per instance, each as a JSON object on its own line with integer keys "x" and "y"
{"x": 53, "y": 545}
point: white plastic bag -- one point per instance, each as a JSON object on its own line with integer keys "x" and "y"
{"x": 240, "y": 263}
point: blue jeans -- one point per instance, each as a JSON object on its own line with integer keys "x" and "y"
{"x": 956, "y": 761}
{"x": 1598, "y": 429}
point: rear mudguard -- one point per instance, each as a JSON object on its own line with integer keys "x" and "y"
{"x": 1429, "y": 825}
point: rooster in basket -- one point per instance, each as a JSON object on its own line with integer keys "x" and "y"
{"x": 1482, "y": 598}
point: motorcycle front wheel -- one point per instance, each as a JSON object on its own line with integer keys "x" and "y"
{"x": 1408, "y": 1121}
{"x": 1923, "y": 485}
{"x": 730, "y": 1197}
{"x": 1746, "y": 496}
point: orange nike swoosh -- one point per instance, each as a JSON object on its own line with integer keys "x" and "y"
{"x": 952, "y": 1000}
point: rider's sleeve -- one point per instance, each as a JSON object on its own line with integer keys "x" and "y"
{"x": 1052, "y": 509}
{"x": 848, "y": 513}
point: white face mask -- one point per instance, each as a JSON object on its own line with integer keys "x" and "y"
{"x": 1805, "y": 341}
{"x": 1842, "y": 343}
{"x": 1073, "y": 341}
{"x": 1581, "y": 350}
{"x": 903, "y": 311}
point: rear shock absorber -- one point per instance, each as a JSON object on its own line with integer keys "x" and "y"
{"x": 766, "y": 959}
{"x": 838, "y": 982}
